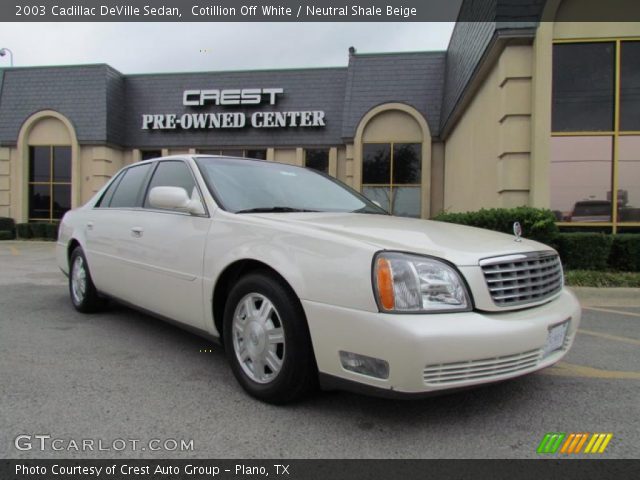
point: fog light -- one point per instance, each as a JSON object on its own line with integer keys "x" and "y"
{"x": 373, "y": 367}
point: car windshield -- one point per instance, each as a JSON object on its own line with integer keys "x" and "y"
{"x": 249, "y": 186}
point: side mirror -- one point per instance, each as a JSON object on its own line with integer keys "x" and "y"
{"x": 175, "y": 198}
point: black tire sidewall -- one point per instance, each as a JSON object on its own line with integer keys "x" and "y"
{"x": 90, "y": 302}
{"x": 298, "y": 370}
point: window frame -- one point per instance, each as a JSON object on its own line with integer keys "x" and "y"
{"x": 615, "y": 134}
{"x": 391, "y": 185}
{"x": 51, "y": 183}
{"x": 146, "y": 183}
{"x": 167, "y": 211}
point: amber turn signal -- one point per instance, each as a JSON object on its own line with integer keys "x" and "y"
{"x": 384, "y": 279}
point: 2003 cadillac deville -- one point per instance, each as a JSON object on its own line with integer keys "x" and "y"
{"x": 305, "y": 280}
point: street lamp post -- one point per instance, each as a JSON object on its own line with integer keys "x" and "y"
{"x": 4, "y": 51}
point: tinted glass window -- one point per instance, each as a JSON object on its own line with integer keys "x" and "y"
{"x": 172, "y": 174}
{"x": 406, "y": 163}
{"x": 318, "y": 159}
{"x": 583, "y": 87}
{"x": 61, "y": 200}
{"x": 260, "y": 154}
{"x": 149, "y": 154}
{"x": 39, "y": 164}
{"x": 580, "y": 178}
{"x": 108, "y": 194}
{"x": 129, "y": 189}
{"x": 376, "y": 168}
{"x": 61, "y": 164}
{"x": 630, "y": 86}
{"x": 39, "y": 202}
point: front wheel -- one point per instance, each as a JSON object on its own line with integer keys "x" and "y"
{"x": 267, "y": 340}
{"x": 82, "y": 291}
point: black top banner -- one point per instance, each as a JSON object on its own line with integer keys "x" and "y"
{"x": 505, "y": 11}
{"x": 319, "y": 469}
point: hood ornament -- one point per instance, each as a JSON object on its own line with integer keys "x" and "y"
{"x": 517, "y": 231}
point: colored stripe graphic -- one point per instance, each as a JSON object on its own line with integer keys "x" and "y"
{"x": 598, "y": 443}
{"x": 551, "y": 442}
{"x": 573, "y": 443}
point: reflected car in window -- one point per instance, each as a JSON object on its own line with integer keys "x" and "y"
{"x": 591, "y": 211}
{"x": 308, "y": 283}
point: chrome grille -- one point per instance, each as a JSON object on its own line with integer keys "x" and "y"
{"x": 445, "y": 373}
{"x": 523, "y": 278}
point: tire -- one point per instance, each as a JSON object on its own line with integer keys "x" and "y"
{"x": 82, "y": 291}
{"x": 267, "y": 340}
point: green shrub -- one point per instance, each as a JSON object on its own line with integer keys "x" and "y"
{"x": 589, "y": 278}
{"x": 24, "y": 230}
{"x": 38, "y": 230}
{"x": 537, "y": 224}
{"x": 7, "y": 235}
{"x": 51, "y": 231}
{"x": 625, "y": 252}
{"x": 7, "y": 224}
{"x": 584, "y": 251}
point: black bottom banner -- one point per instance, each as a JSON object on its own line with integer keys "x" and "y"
{"x": 318, "y": 469}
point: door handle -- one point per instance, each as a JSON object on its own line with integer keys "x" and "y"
{"x": 89, "y": 225}
{"x": 137, "y": 231}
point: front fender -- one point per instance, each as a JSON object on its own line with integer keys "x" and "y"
{"x": 319, "y": 267}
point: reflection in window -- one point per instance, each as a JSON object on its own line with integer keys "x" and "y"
{"x": 391, "y": 176}
{"x": 256, "y": 153}
{"x": 317, "y": 158}
{"x": 49, "y": 182}
{"x": 629, "y": 179}
{"x": 580, "y": 178}
{"x": 583, "y": 87}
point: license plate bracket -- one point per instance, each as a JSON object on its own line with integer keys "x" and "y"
{"x": 556, "y": 337}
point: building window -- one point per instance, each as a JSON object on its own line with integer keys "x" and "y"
{"x": 317, "y": 158}
{"x": 391, "y": 176}
{"x": 49, "y": 182}
{"x": 257, "y": 153}
{"x": 149, "y": 154}
{"x": 583, "y": 81}
{"x": 596, "y": 133}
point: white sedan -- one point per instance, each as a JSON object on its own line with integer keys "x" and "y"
{"x": 305, "y": 281}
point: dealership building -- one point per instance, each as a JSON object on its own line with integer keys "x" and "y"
{"x": 545, "y": 114}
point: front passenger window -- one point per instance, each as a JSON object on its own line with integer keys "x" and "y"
{"x": 171, "y": 173}
{"x": 129, "y": 191}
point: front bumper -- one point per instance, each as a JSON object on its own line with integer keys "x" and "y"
{"x": 433, "y": 352}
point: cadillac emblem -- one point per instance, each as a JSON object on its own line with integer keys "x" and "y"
{"x": 517, "y": 231}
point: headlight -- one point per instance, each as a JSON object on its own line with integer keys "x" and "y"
{"x": 412, "y": 283}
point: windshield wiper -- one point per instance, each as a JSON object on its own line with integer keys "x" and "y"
{"x": 274, "y": 210}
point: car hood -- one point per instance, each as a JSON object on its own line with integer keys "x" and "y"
{"x": 461, "y": 245}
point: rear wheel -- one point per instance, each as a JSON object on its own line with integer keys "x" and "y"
{"x": 82, "y": 291}
{"x": 267, "y": 340}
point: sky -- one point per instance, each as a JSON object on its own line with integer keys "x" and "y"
{"x": 180, "y": 47}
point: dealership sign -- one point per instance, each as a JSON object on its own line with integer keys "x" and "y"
{"x": 232, "y": 97}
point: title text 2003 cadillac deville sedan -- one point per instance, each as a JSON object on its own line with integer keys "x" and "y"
{"x": 303, "y": 279}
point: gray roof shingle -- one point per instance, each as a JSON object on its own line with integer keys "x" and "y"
{"x": 412, "y": 78}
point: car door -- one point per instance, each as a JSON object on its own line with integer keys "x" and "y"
{"x": 107, "y": 232}
{"x": 166, "y": 250}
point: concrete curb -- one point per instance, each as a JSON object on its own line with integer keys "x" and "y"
{"x": 607, "y": 297}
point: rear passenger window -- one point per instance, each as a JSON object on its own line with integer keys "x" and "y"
{"x": 172, "y": 173}
{"x": 108, "y": 194}
{"x": 129, "y": 191}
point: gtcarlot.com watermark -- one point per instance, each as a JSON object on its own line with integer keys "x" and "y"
{"x": 46, "y": 442}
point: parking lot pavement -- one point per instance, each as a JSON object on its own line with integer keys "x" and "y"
{"x": 124, "y": 375}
